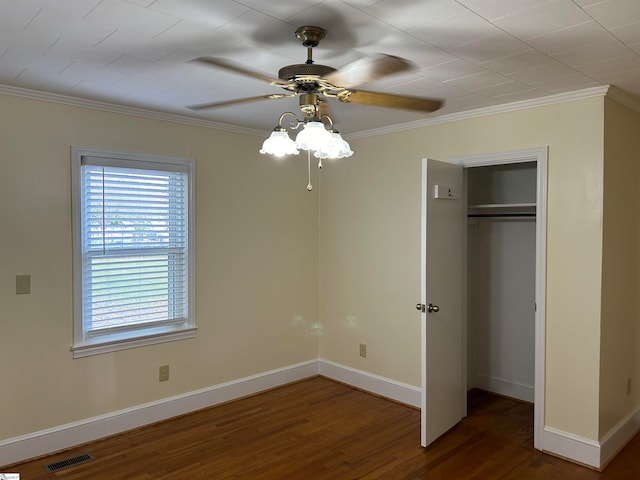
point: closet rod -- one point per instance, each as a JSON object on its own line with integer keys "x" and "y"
{"x": 501, "y": 215}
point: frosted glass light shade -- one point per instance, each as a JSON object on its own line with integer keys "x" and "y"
{"x": 336, "y": 148}
{"x": 345, "y": 148}
{"x": 279, "y": 144}
{"x": 313, "y": 137}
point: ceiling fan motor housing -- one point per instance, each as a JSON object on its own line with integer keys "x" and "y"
{"x": 290, "y": 72}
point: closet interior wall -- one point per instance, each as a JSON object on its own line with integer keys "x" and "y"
{"x": 501, "y": 246}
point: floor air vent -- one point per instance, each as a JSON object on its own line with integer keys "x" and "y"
{"x": 68, "y": 462}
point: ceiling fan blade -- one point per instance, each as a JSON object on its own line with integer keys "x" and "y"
{"x": 368, "y": 69}
{"x": 239, "y": 101}
{"x": 233, "y": 67}
{"x": 389, "y": 100}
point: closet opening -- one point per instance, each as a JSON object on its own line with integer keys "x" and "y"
{"x": 505, "y": 273}
{"x": 501, "y": 260}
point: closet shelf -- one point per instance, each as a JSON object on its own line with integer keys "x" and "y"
{"x": 488, "y": 209}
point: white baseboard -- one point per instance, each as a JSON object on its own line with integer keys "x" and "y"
{"x": 616, "y": 438}
{"x": 385, "y": 387}
{"x": 505, "y": 387}
{"x": 36, "y": 444}
{"x": 589, "y": 452}
{"x": 572, "y": 447}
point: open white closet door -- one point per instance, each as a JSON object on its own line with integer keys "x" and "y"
{"x": 441, "y": 303}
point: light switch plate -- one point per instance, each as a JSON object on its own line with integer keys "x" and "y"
{"x": 23, "y": 284}
{"x": 444, "y": 191}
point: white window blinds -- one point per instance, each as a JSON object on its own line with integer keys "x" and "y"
{"x": 134, "y": 236}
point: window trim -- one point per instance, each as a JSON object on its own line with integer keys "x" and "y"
{"x": 84, "y": 345}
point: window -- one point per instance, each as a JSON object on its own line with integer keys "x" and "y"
{"x": 133, "y": 250}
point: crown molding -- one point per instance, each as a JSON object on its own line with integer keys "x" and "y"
{"x": 624, "y": 99}
{"x": 123, "y": 109}
{"x": 492, "y": 110}
{"x": 601, "y": 91}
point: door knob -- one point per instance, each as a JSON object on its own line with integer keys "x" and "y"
{"x": 433, "y": 308}
{"x": 419, "y": 307}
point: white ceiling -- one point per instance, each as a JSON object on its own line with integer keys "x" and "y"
{"x": 470, "y": 53}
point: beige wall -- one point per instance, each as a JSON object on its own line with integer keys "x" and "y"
{"x": 259, "y": 243}
{"x": 620, "y": 320}
{"x": 256, "y": 254}
{"x": 370, "y": 251}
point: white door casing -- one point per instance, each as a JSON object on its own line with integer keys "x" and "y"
{"x": 540, "y": 156}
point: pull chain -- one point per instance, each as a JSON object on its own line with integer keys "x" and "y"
{"x": 309, "y": 186}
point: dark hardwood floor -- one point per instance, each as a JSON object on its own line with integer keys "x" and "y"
{"x": 319, "y": 429}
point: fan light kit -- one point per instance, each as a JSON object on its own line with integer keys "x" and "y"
{"x": 308, "y": 81}
{"x": 314, "y": 136}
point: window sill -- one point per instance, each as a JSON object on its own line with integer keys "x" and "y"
{"x": 98, "y": 346}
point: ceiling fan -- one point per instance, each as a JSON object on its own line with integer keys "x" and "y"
{"x": 309, "y": 80}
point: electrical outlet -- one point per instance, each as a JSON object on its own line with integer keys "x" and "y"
{"x": 363, "y": 350}
{"x": 23, "y": 284}
{"x": 163, "y": 373}
{"x": 628, "y": 386}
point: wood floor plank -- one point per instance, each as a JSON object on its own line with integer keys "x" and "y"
{"x": 319, "y": 429}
